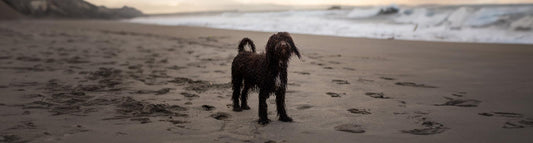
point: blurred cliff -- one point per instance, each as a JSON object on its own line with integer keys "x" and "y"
{"x": 74, "y": 9}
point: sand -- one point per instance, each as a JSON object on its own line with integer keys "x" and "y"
{"x": 107, "y": 81}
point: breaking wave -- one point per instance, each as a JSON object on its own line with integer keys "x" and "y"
{"x": 467, "y": 23}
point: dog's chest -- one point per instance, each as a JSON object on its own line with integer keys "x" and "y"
{"x": 278, "y": 81}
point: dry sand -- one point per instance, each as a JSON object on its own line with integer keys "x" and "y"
{"x": 105, "y": 81}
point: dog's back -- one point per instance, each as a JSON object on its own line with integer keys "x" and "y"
{"x": 246, "y": 65}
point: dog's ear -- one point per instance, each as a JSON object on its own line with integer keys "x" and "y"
{"x": 294, "y": 49}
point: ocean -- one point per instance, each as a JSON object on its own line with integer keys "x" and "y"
{"x": 457, "y": 23}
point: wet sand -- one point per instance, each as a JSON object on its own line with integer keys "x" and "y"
{"x": 106, "y": 81}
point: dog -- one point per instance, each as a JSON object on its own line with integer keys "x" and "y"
{"x": 266, "y": 72}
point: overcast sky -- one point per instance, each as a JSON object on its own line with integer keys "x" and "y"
{"x": 168, "y": 6}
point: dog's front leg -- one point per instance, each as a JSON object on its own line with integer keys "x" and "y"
{"x": 280, "y": 103}
{"x": 263, "y": 115}
{"x": 280, "y": 98}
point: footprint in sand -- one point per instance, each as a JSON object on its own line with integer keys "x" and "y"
{"x": 28, "y": 59}
{"x": 513, "y": 123}
{"x": 23, "y": 84}
{"x": 156, "y": 92}
{"x": 412, "y": 84}
{"x": 359, "y": 111}
{"x": 338, "y": 81}
{"x": 528, "y": 122}
{"x": 460, "y": 102}
{"x": 350, "y": 128}
{"x": 459, "y": 94}
{"x": 177, "y": 121}
{"x": 208, "y": 107}
{"x": 502, "y": 114}
{"x": 129, "y": 107}
{"x": 387, "y": 78}
{"x": 347, "y": 68}
{"x": 303, "y": 73}
{"x": 303, "y": 107}
{"x": 315, "y": 63}
{"x": 190, "y": 96}
{"x": 333, "y": 94}
{"x": 380, "y": 95}
{"x": 175, "y": 67}
{"x": 141, "y": 120}
{"x": 221, "y": 115}
{"x": 11, "y": 139}
{"x": 430, "y": 128}
{"x": 510, "y": 125}
{"x": 364, "y": 80}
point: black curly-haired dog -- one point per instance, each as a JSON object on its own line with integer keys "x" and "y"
{"x": 265, "y": 71}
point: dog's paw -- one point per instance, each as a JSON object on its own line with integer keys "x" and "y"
{"x": 285, "y": 119}
{"x": 263, "y": 121}
{"x": 245, "y": 107}
{"x": 237, "y": 109}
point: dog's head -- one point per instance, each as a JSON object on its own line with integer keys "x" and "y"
{"x": 282, "y": 46}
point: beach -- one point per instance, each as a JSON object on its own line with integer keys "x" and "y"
{"x": 111, "y": 81}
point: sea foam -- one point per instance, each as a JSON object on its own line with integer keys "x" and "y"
{"x": 477, "y": 23}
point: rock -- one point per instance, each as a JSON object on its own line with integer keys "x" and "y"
{"x": 523, "y": 24}
{"x": 6, "y": 12}
{"x": 388, "y": 10}
{"x": 334, "y": 7}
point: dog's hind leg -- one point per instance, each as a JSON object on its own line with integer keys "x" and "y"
{"x": 263, "y": 115}
{"x": 244, "y": 96}
{"x": 237, "y": 83}
{"x": 280, "y": 106}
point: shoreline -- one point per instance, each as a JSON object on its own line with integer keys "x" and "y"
{"x": 337, "y": 36}
{"x": 450, "y": 24}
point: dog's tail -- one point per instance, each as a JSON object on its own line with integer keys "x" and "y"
{"x": 245, "y": 41}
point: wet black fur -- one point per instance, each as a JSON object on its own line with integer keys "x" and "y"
{"x": 263, "y": 71}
